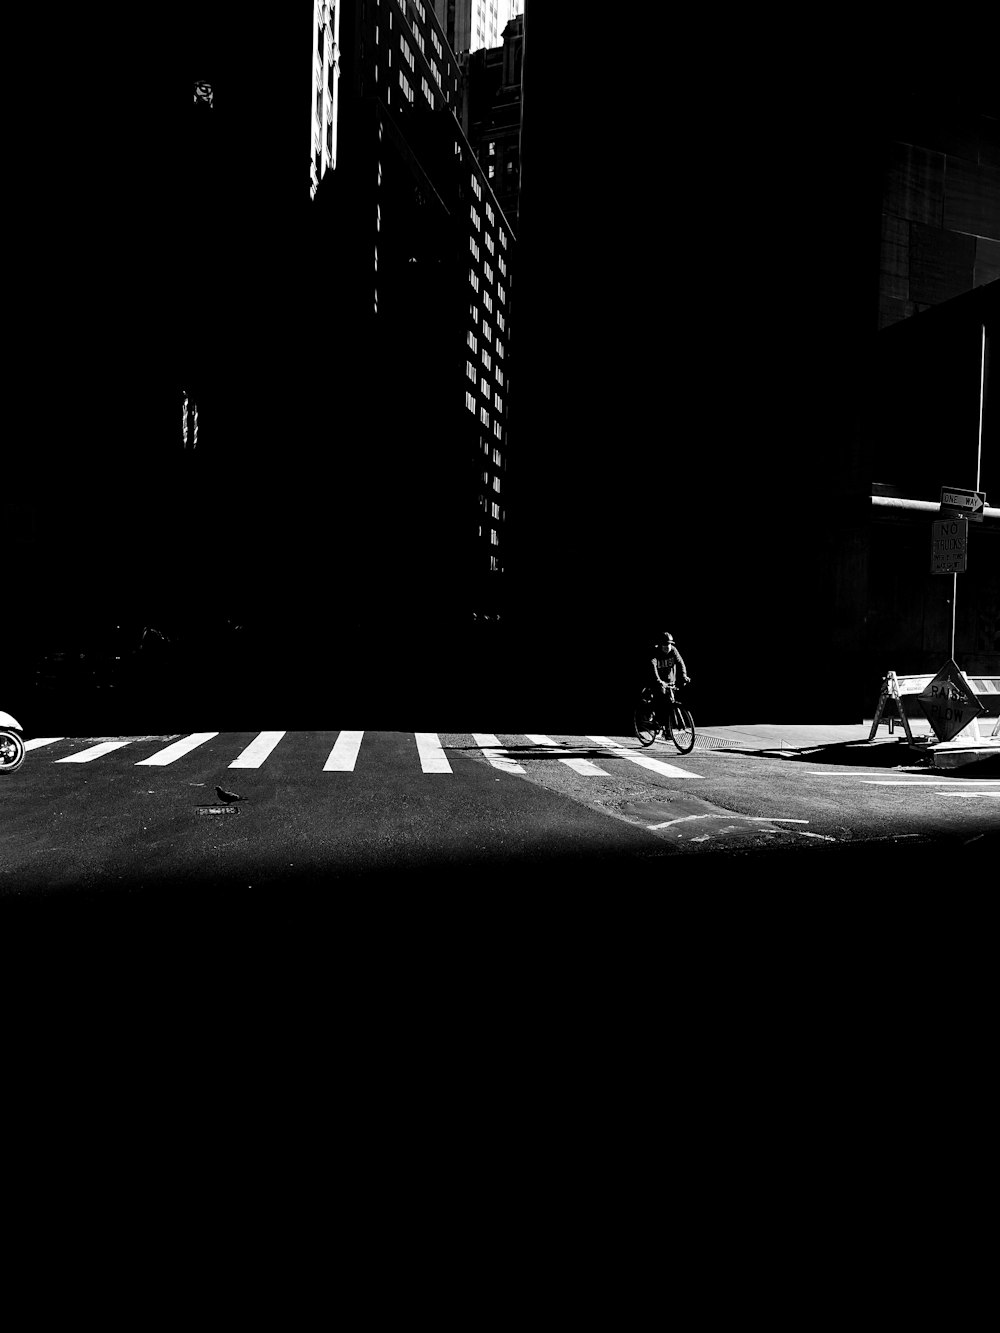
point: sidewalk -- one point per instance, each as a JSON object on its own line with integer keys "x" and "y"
{"x": 771, "y": 736}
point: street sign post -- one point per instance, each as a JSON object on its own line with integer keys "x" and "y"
{"x": 949, "y": 545}
{"x": 969, "y": 504}
{"x": 950, "y": 702}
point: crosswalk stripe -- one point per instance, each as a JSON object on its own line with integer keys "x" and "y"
{"x": 657, "y": 765}
{"x": 95, "y": 752}
{"x": 344, "y": 754}
{"x": 179, "y": 748}
{"x": 39, "y": 741}
{"x": 583, "y": 766}
{"x": 495, "y": 753}
{"x": 258, "y": 750}
{"x": 432, "y": 756}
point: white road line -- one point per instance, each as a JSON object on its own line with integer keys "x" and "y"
{"x": 971, "y": 795}
{"x": 179, "y": 748}
{"x": 657, "y": 765}
{"x": 344, "y": 754}
{"x": 95, "y": 752}
{"x": 432, "y": 756}
{"x": 258, "y": 750}
{"x": 943, "y": 783}
{"x": 495, "y": 752}
{"x": 39, "y": 741}
{"x": 583, "y": 766}
{"x": 751, "y": 819}
{"x": 902, "y": 782}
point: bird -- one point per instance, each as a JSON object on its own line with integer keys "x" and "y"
{"x": 227, "y": 797}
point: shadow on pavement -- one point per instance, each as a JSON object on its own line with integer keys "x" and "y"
{"x": 865, "y": 754}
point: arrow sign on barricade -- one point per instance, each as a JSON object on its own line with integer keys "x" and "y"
{"x": 950, "y": 702}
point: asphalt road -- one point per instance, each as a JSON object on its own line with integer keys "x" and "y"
{"x": 91, "y": 817}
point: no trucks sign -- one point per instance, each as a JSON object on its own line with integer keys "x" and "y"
{"x": 949, "y": 545}
{"x": 950, "y": 702}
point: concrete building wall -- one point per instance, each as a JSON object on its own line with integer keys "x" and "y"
{"x": 940, "y": 203}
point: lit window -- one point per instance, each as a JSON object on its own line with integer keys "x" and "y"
{"x": 498, "y": 402}
{"x": 470, "y": 370}
{"x": 470, "y": 402}
{"x": 484, "y": 384}
{"x": 494, "y": 539}
{"x": 484, "y": 416}
{"x": 496, "y": 484}
{"x": 495, "y": 510}
{"x": 474, "y": 279}
{"x": 489, "y": 272}
{"x": 487, "y": 360}
{"x": 470, "y": 338}
{"x": 487, "y": 300}
{"x": 501, "y": 291}
{"x": 496, "y": 457}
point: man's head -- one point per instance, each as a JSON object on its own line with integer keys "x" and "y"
{"x": 666, "y": 640}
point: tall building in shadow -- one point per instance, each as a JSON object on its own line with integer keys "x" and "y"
{"x": 300, "y": 334}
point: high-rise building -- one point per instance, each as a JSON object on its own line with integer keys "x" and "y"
{"x": 491, "y": 113}
{"x": 306, "y": 331}
{"x": 469, "y": 25}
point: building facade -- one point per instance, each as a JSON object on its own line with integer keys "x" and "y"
{"x": 491, "y": 113}
{"x": 469, "y": 25}
{"x": 940, "y": 178}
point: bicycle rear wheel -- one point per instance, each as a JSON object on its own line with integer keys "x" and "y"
{"x": 644, "y": 719}
{"x": 682, "y": 728}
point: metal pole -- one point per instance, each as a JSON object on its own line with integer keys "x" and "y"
{"x": 982, "y": 388}
{"x": 954, "y": 596}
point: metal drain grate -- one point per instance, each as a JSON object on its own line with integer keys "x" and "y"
{"x": 720, "y": 743}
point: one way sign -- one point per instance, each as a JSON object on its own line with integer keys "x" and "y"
{"x": 970, "y": 504}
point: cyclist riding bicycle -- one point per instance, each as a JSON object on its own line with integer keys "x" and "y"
{"x": 665, "y": 661}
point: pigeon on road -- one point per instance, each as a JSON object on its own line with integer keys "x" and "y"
{"x": 227, "y": 797}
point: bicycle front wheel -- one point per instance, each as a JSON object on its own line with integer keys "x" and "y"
{"x": 644, "y": 718}
{"x": 682, "y": 728}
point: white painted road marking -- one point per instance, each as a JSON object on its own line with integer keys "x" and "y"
{"x": 750, "y": 819}
{"x": 657, "y": 765}
{"x": 971, "y": 795}
{"x": 583, "y": 766}
{"x": 905, "y": 782}
{"x": 495, "y": 752}
{"x": 95, "y": 752}
{"x": 344, "y": 754}
{"x": 258, "y": 750}
{"x": 432, "y": 756}
{"x": 39, "y": 741}
{"x": 179, "y": 748}
{"x": 942, "y": 783}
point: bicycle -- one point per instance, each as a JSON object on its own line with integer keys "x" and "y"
{"x": 655, "y": 713}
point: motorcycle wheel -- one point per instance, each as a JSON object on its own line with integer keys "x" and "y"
{"x": 11, "y": 751}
